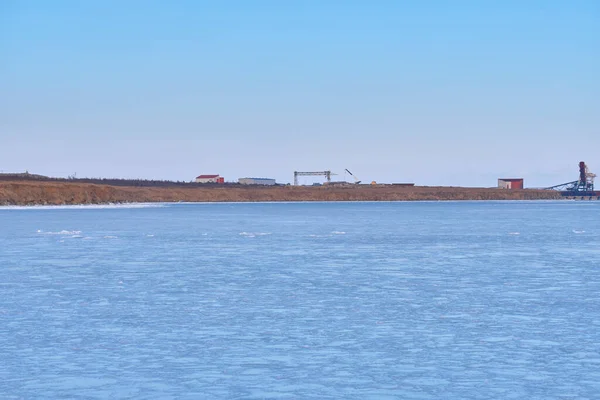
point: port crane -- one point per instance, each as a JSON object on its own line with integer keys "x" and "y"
{"x": 356, "y": 180}
{"x": 582, "y": 187}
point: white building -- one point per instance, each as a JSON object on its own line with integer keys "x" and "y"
{"x": 209, "y": 179}
{"x": 257, "y": 181}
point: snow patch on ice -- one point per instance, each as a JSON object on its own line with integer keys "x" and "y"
{"x": 254, "y": 234}
{"x": 63, "y": 233}
{"x": 86, "y": 206}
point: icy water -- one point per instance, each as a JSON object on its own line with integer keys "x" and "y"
{"x": 459, "y": 300}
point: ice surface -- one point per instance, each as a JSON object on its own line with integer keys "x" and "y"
{"x": 417, "y": 301}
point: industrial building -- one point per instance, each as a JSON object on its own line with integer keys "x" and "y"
{"x": 257, "y": 181}
{"x": 210, "y": 179}
{"x": 510, "y": 183}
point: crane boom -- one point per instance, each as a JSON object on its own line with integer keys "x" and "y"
{"x": 356, "y": 181}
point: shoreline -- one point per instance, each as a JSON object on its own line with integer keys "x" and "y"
{"x": 28, "y": 193}
{"x": 191, "y": 203}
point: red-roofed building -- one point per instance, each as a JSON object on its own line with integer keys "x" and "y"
{"x": 210, "y": 179}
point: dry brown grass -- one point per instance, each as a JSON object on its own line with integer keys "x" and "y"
{"x": 33, "y": 193}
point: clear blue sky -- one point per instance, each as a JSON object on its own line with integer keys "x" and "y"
{"x": 434, "y": 92}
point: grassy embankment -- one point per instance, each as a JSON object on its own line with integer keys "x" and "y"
{"x": 58, "y": 193}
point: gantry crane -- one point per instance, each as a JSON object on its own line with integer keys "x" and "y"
{"x": 326, "y": 174}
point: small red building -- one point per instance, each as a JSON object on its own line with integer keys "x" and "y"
{"x": 210, "y": 179}
{"x": 510, "y": 183}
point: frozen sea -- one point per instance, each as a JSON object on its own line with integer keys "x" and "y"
{"x": 425, "y": 300}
